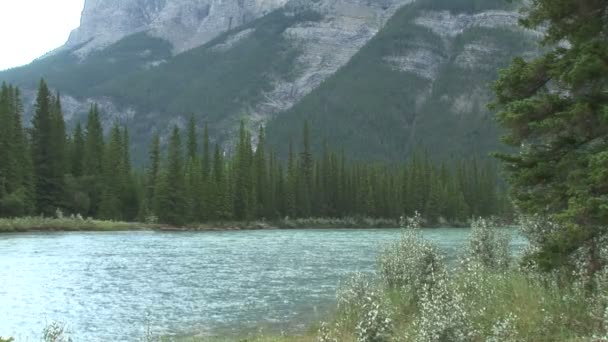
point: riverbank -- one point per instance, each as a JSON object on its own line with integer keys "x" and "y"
{"x": 478, "y": 305}
{"x": 76, "y": 224}
{"x": 66, "y": 224}
{"x": 70, "y": 224}
{"x": 416, "y": 296}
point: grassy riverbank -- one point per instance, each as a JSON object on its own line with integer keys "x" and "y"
{"x": 415, "y": 296}
{"x": 475, "y": 306}
{"x": 76, "y": 223}
{"x": 64, "y": 224}
{"x": 67, "y": 224}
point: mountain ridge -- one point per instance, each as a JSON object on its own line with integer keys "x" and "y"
{"x": 276, "y": 65}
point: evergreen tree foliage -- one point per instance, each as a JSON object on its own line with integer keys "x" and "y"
{"x": 77, "y": 152}
{"x": 114, "y": 180}
{"x": 83, "y": 173}
{"x": 152, "y": 176}
{"x": 555, "y": 110}
{"x": 16, "y": 173}
{"x": 93, "y": 159}
{"x": 172, "y": 203}
{"x": 48, "y": 161}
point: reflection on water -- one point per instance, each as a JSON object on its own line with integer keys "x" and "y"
{"x": 111, "y": 286}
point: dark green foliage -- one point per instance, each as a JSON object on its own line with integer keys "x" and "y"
{"x": 16, "y": 171}
{"x": 85, "y": 78}
{"x": 243, "y": 177}
{"x": 555, "y": 111}
{"x": 48, "y": 139}
{"x": 93, "y": 159}
{"x": 185, "y": 185}
{"x": 253, "y": 185}
{"x": 172, "y": 203}
{"x": 77, "y": 152}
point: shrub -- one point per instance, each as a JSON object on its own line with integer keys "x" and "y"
{"x": 374, "y": 324}
{"x": 351, "y": 297}
{"x": 411, "y": 263}
{"x": 488, "y": 245}
{"x": 10, "y": 339}
{"x": 443, "y": 316}
{"x": 325, "y": 334}
{"x": 56, "y": 332}
{"x": 504, "y": 330}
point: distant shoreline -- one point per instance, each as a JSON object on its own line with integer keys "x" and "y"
{"x": 49, "y": 225}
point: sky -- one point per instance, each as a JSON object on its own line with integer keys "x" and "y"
{"x": 31, "y": 28}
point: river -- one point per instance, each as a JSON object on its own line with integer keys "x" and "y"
{"x": 114, "y": 286}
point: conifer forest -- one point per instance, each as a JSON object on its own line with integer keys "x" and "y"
{"x": 187, "y": 179}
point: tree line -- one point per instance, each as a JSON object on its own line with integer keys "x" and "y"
{"x": 187, "y": 180}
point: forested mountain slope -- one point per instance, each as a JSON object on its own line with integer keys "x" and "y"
{"x": 423, "y": 82}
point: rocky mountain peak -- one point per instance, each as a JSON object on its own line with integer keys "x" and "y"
{"x": 184, "y": 23}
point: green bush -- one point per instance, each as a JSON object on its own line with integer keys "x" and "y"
{"x": 411, "y": 264}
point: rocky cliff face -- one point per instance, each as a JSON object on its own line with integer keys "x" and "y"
{"x": 325, "y": 46}
{"x": 184, "y": 23}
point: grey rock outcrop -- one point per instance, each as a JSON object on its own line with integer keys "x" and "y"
{"x": 325, "y": 46}
{"x": 184, "y": 23}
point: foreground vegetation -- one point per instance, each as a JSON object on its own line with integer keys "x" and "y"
{"x": 416, "y": 296}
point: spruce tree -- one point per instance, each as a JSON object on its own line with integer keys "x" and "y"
{"x": 243, "y": 177}
{"x": 172, "y": 200}
{"x": 261, "y": 177}
{"x": 222, "y": 205}
{"x": 77, "y": 152}
{"x": 291, "y": 184}
{"x": 305, "y": 179}
{"x": 554, "y": 109}
{"x": 46, "y": 160}
{"x": 113, "y": 178}
{"x": 93, "y": 159}
{"x": 151, "y": 179}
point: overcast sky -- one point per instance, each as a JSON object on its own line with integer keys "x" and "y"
{"x": 31, "y": 28}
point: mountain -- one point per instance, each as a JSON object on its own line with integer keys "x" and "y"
{"x": 375, "y": 77}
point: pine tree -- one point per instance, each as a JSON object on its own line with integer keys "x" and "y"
{"x": 16, "y": 174}
{"x": 291, "y": 184}
{"x": 305, "y": 179}
{"x": 114, "y": 177}
{"x": 131, "y": 193}
{"x": 77, "y": 152}
{"x": 194, "y": 175}
{"x": 206, "y": 192}
{"x": 48, "y": 175}
{"x": 261, "y": 177}
{"x": 148, "y": 208}
{"x": 172, "y": 199}
{"x": 243, "y": 177}
{"x": 222, "y": 206}
{"x": 554, "y": 110}
{"x": 59, "y": 138}
{"x": 93, "y": 159}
